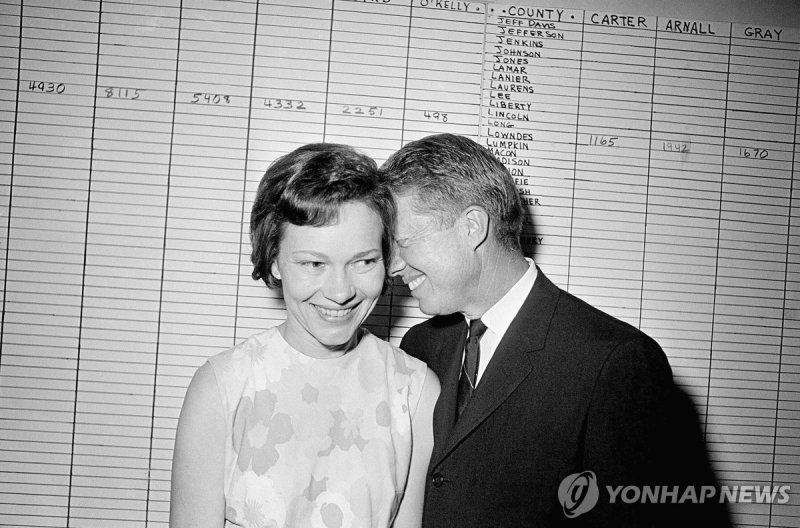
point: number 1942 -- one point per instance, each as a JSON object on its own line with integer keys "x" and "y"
{"x": 676, "y": 146}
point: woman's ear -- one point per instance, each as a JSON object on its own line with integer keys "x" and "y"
{"x": 274, "y": 270}
{"x": 477, "y": 225}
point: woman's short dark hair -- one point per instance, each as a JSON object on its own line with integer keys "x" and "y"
{"x": 308, "y": 187}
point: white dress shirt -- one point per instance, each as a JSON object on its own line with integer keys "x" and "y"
{"x": 498, "y": 318}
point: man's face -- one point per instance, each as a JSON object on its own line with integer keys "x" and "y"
{"x": 434, "y": 260}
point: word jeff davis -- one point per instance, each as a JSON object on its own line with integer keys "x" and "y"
{"x": 579, "y": 493}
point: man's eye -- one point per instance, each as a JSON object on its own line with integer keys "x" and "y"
{"x": 366, "y": 264}
{"x": 312, "y": 264}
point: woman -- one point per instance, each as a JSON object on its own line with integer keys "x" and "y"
{"x": 312, "y": 422}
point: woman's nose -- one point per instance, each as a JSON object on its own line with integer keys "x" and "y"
{"x": 339, "y": 288}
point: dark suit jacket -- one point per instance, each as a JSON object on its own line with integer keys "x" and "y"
{"x": 569, "y": 389}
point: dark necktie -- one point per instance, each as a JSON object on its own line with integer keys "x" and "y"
{"x": 469, "y": 370}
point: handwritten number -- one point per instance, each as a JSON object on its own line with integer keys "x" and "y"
{"x": 435, "y": 116}
{"x": 753, "y": 153}
{"x": 675, "y": 146}
{"x": 46, "y": 87}
{"x": 284, "y": 104}
{"x": 123, "y": 93}
{"x": 210, "y": 98}
{"x": 372, "y": 111}
{"x": 603, "y": 141}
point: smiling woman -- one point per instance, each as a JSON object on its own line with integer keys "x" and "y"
{"x": 311, "y": 422}
{"x": 332, "y": 277}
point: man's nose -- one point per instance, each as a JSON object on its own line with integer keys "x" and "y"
{"x": 397, "y": 264}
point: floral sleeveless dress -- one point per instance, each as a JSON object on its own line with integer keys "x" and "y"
{"x": 316, "y": 442}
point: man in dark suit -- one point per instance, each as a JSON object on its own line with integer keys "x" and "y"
{"x": 552, "y": 413}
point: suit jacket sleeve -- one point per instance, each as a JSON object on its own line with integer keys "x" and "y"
{"x": 417, "y": 343}
{"x": 641, "y": 430}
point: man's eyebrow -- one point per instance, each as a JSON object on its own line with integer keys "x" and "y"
{"x": 366, "y": 253}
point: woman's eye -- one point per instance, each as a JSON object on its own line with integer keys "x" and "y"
{"x": 312, "y": 264}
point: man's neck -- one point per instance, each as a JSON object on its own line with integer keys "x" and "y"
{"x": 500, "y": 271}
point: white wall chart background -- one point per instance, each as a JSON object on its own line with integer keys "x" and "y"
{"x": 654, "y": 145}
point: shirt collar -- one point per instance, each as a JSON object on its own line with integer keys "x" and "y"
{"x": 498, "y": 318}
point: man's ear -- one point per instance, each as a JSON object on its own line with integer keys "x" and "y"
{"x": 477, "y": 225}
{"x": 274, "y": 270}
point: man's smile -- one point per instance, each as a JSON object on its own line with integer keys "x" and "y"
{"x": 416, "y": 282}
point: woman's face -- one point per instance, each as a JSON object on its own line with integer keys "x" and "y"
{"x": 332, "y": 277}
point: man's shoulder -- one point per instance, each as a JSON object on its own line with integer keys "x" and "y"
{"x": 421, "y": 339}
{"x": 431, "y": 328}
{"x": 437, "y": 323}
{"x": 585, "y": 330}
{"x": 597, "y": 340}
{"x": 596, "y": 318}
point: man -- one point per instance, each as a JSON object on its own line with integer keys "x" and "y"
{"x": 546, "y": 387}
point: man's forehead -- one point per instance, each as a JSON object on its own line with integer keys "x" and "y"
{"x": 413, "y": 215}
{"x": 409, "y": 222}
{"x": 416, "y": 225}
{"x": 410, "y": 205}
{"x": 407, "y": 210}
{"x": 405, "y": 200}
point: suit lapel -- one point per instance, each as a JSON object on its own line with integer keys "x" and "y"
{"x": 509, "y": 366}
{"x": 449, "y": 354}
